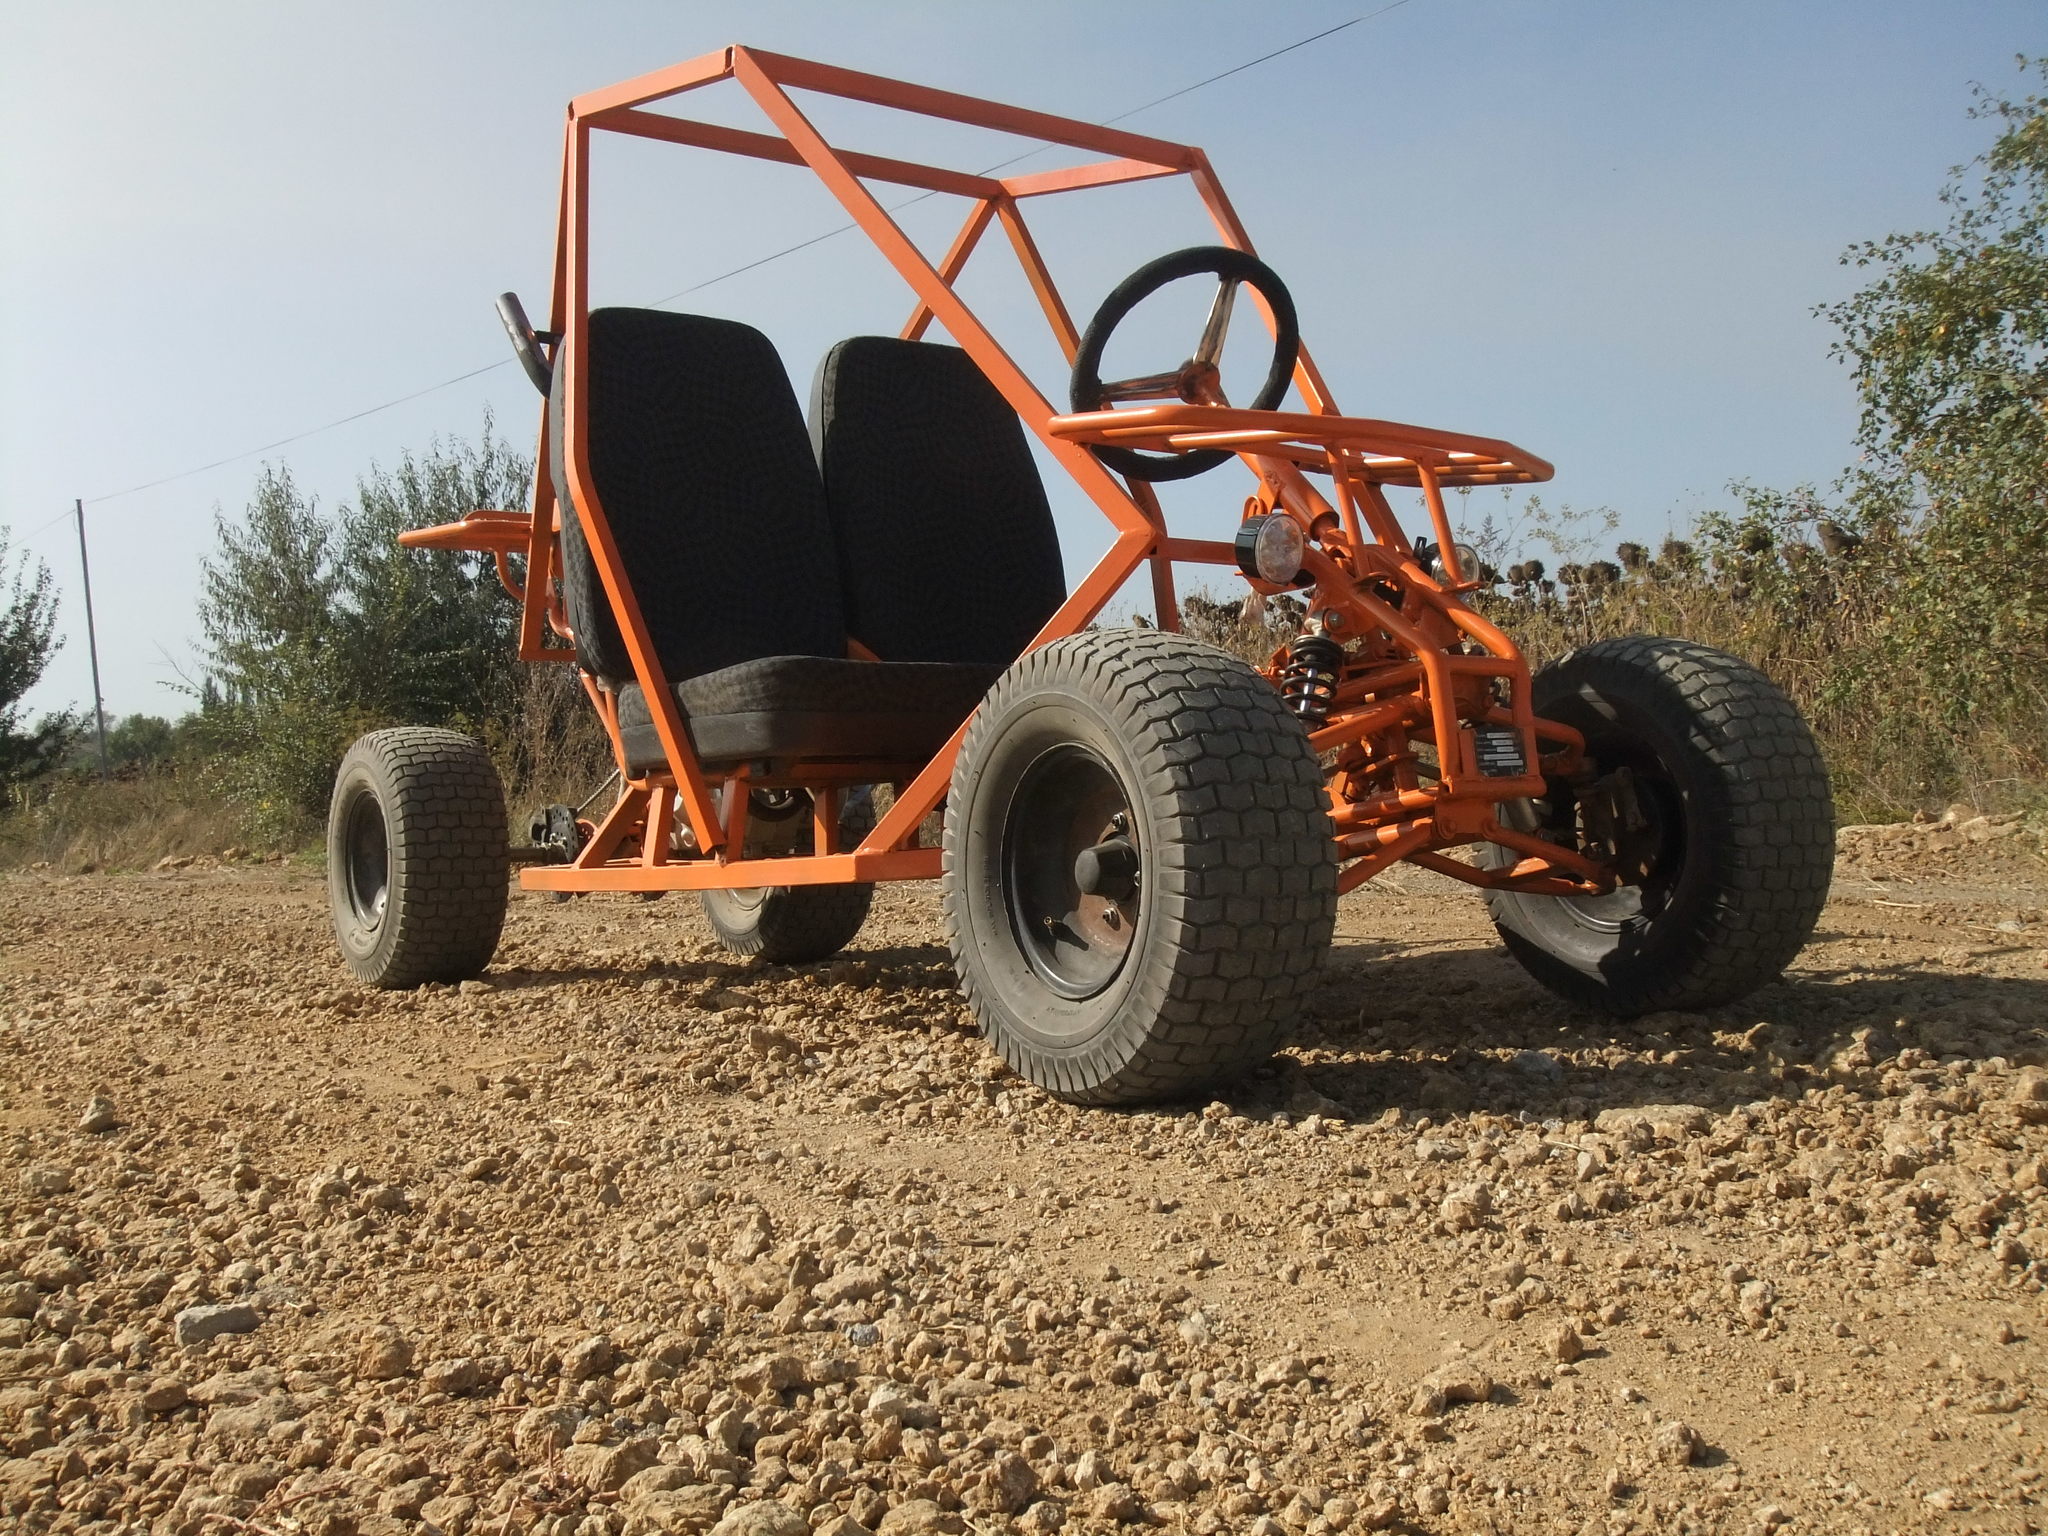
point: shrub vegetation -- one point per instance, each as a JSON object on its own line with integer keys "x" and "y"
{"x": 28, "y": 639}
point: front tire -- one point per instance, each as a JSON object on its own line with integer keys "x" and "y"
{"x": 418, "y": 858}
{"x": 1140, "y": 878}
{"x": 1737, "y": 841}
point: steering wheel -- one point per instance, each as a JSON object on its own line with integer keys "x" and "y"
{"x": 1197, "y": 378}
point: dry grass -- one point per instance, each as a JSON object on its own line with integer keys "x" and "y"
{"x": 1901, "y": 732}
{"x": 79, "y": 825}
{"x": 553, "y": 749}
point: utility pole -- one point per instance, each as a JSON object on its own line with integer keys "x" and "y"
{"x": 92, "y": 644}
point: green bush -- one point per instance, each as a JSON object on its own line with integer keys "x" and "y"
{"x": 319, "y": 629}
{"x": 28, "y": 639}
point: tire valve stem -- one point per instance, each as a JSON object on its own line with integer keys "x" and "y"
{"x": 1308, "y": 686}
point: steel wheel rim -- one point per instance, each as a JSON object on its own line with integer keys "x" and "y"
{"x": 1068, "y": 800}
{"x": 366, "y": 860}
{"x": 1663, "y": 840}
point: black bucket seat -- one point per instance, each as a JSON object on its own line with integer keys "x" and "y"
{"x": 745, "y": 575}
{"x": 946, "y": 544}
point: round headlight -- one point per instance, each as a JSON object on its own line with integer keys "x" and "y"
{"x": 1271, "y": 548}
{"x": 1432, "y": 558}
{"x": 1468, "y": 562}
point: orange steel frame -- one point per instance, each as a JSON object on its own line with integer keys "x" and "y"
{"x": 1428, "y": 664}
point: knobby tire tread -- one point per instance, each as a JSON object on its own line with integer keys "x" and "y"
{"x": 1773, "y": 866}
{"x": 797, "y": 923}
{"x": 1247, "y": 875}
{"x": 449, "y": 854}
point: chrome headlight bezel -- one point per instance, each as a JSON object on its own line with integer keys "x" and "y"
{"x": 1271, "y": 548}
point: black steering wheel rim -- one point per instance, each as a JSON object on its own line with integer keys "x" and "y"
{"x": 1221, "y": 261}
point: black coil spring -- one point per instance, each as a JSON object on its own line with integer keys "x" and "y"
{"x": 1309, "y": 685}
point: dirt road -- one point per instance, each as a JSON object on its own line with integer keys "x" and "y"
{"x": 629, "y": 1239}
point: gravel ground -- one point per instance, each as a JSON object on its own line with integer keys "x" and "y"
{"x": 629, "y": 1239}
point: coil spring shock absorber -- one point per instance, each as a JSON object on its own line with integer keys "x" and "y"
{"x": 1309, "y": 685}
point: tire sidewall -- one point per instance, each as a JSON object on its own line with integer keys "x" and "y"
{"x": 1611, "y": 700}
{"x": 361, "y": 776}
{"x": 1084, "y": 1033}
{"x": 738, "y": 912}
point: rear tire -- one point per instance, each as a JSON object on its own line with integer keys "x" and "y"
{"x": 1140, "y": 879}
{"x": 417, "y": 857}
{"x": 1739, "y": 841}
{"x": 787, "y": 924}
{"x": 796, "y": 924}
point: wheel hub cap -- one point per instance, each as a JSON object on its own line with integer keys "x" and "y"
{"x": 1108, "y": 869}
{"x": 1072, "y": 872}
{"x": 368, "y": 852}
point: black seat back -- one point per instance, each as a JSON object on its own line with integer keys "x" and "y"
{"x": 947, "y": 550}
{"x": 699, "y": 457}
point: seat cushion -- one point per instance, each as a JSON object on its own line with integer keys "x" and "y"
{"x": 699, "y": 455}
{"x": 947, "y": 550}
{"x": 783, "y": 708}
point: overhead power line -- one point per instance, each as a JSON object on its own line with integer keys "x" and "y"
{"x": 1037, "y": 149}
{"x": 44, "y": 526}
{"x": 1264, "y": 58}
{"x": 698, "y": 287}
{"x": 329, "y": 426}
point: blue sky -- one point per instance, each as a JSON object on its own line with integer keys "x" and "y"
{"x": 1596, "y": 229}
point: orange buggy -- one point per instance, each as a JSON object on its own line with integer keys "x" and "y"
{"x": 1143, "y": 838}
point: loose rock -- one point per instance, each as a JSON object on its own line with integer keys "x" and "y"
{"x": 195, "y": 1325}
{"x": 99, "y": 1115}
{"x": 1675, "y": 1444}
{"x": 383, "y": 1353}
{"x": 764, "y": 1518}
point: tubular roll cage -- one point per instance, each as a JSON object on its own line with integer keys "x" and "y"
{"x": 1431, "y": 663}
